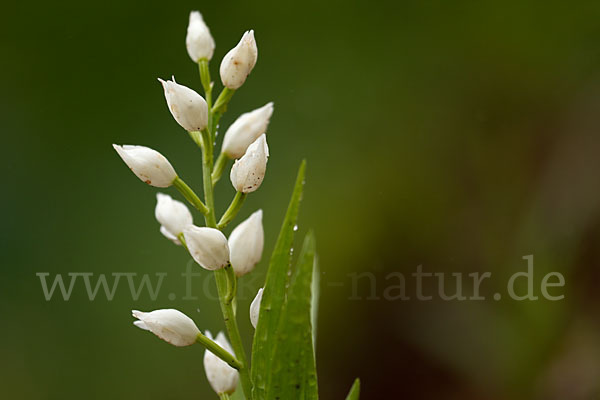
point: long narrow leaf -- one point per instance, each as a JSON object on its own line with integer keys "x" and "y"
{"x": 314, "y": 309}
{"x": 294, "y": 371}
{"x": 354, "y": 391}
{"x": 274, "y": 294}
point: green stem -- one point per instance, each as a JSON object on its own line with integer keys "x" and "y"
{"x": 226, "y": 297}
{"x": 219, "y": 109}
{"x": 218, "y": 351}
{"x": 224, "y": 396}
{"x": 207, "y": 164}
{"x": 231, "y": 284}
{"x": 182, "y": 240}
{"x": 219, "y": 167}
{"x": 232, "y": 329}
{"x": 221, "y": 103}
{"x": 189, "y": 194}
{"x": 207, "y": 85}
{"x": 232, "y": 211}
{"x": 196, "y": 137}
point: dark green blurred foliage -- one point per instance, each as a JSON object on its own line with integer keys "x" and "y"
{"x": 459, "y": 136}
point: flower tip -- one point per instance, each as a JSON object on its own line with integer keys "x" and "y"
{"x": 160, "y": 196}
{"x": 119, "y": 149}
{"x": 262, "y": 143}
{"x": 141, "y": 325}
{"x": 195, "y": 15}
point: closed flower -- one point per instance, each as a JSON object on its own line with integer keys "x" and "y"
{"x": 208, "y": 247}
{"x": 199, "y": 42}
{"x": 173, "y": 216}
{"x": 222, "y": 377}
{"x": 170, "y": 325}
{"x": 245, "y": 130}
{"x": 249, "y": 171}
{"x": 255, "y": 308}
{"x": 239, "y": 62}
{"x": 187, "y": 107}
{"x": 246, "y": 244}
{"x": 147, "y": 164}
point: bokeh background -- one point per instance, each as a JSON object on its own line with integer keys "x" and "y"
{"x": 456, "y": 135}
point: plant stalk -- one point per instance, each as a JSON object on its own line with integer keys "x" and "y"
{"x": 225, "y": 288}
{"x": 232, "y": 329}
{"x": 190, "y": 196}
{"x": 232, "y": 211}
{"x": 218, "y": 351}
{"x": 219, "y": 167}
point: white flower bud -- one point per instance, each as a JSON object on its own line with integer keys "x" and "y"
{"x": 248, "y": 172}
{"x": 246, "y": 244}
{"x": 199, "y": 42}
{"x": 187, "y": 107}
{"x": 222, "y": 377}
{"x": 245, "y": 130}
{"x": 255, "y": 308}
{"x": 170, "y": 325}
{"x": 147, "y": 164}
{"x": 208, "y": 247}
{"x": 173, "y": 215}
{"x": 238, "y": 63}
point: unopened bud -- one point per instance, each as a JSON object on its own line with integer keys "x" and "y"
{"x": 222, "y": 377}
{"x": 170, "y": 325}
{"x": 173, "y": 216}
{"x": 208, "y": 247}
{"x": 245, "y": 130}
{"x": 246, "y": 244}
{"x": 187, "y": 107}
{"x": 147, "y": 164}
{"x": 255, "y": 308}
{"x": 249, "y": 171}
{"x": 199, "y": 42}
{"x": 238, "y": 63}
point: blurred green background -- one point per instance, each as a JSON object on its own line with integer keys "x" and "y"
{"x": 457, "y": 135}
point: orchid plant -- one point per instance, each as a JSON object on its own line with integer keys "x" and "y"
{"x": 284, "y": 310}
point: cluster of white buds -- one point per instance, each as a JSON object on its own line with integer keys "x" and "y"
{"x": 245, "y": 142}
{"x": 212, "y": 251}
{"x": 222, "y": 378}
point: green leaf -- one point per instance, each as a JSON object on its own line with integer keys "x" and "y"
{"x": 314, "y": 310}
{"x": 274, "y": 294}
{"x": 354, "y": 391}
{"x": 294, "y": 373}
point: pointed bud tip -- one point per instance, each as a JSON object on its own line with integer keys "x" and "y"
{"x": 258, "y": 213}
